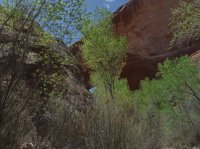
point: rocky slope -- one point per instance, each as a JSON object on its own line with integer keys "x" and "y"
{"x": 32, "y": 96}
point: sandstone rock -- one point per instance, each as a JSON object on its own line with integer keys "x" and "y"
{"x": 145, "y": 24}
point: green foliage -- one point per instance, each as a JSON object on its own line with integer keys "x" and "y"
{"x": 185, "y": 22}
{"x": 44, "y": 38}
{"x": 54, "y": 74}
{"x": 122, "y": 93}
{"x": 173, "y": 87}
{"x": 60, "y": 18}
{"x": 103, "y": 51}
{"x": 45, "y": 23}
{"x": 53, "y": 84}
{"x": 3, "y": 12}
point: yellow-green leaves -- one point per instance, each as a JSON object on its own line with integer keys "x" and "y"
{"x": 185, "y": 23}
{"x": 170, "y": 88}
{"x": 60, "y": 18}
{"x": 103, "y": 51}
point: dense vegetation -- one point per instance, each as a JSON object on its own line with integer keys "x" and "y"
{"x": 44, "y": 104}
{"x": 185, "y": 23}
{"x": 103, "y": 52}
{"x": 34, "y": 66}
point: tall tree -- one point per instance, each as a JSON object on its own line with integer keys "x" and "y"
{"x": 103, "y": 51}
{"x": 60, "y": 18}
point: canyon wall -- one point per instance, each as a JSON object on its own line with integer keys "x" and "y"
{"x": 146, "y": 25}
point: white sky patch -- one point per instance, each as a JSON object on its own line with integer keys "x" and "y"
{"x": 110, "y": 1}
{"x": 107, "y": 5}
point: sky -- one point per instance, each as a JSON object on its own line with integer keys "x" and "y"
{"x": 112, "y": 5}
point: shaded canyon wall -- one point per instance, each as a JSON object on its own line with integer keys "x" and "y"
{"x": 145, "y": 24}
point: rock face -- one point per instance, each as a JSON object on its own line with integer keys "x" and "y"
{"x": 75, "y": 50}
{"x": 40, "y": 62}
{"x": 80, "y": 96}
{"x": 145, "y": 24}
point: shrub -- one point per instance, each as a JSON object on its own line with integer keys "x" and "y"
{"x": 174, "y": 94}
{"x": 185, "y": 23}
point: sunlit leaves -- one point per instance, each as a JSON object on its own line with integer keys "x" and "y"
{"x": 103, "y": 51}
{"x": 63, "y": 18}
{"x": 185, "y": 22}
{"x": 44, "y": 24}
{"x": 60, "y": 18}
{"x": 170, "y": 89}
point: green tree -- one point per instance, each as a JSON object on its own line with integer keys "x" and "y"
{"x": 122, "y": 94}
{"x": 185, "y": 22}
{"x": 60, "y": 18}
{"x": 103, "y": 51}
{"x": 177, "y": 85}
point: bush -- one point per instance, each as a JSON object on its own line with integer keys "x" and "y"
{"x": 185, "y": 23}
{"x": 109, "y": 126}
{"x": 175, "y": 94}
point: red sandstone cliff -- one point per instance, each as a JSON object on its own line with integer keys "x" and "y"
{"x": 145, "y": 24}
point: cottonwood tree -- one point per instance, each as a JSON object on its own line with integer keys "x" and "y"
{"x": 103, "y": 51}
{"x": 174, "y": 95}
